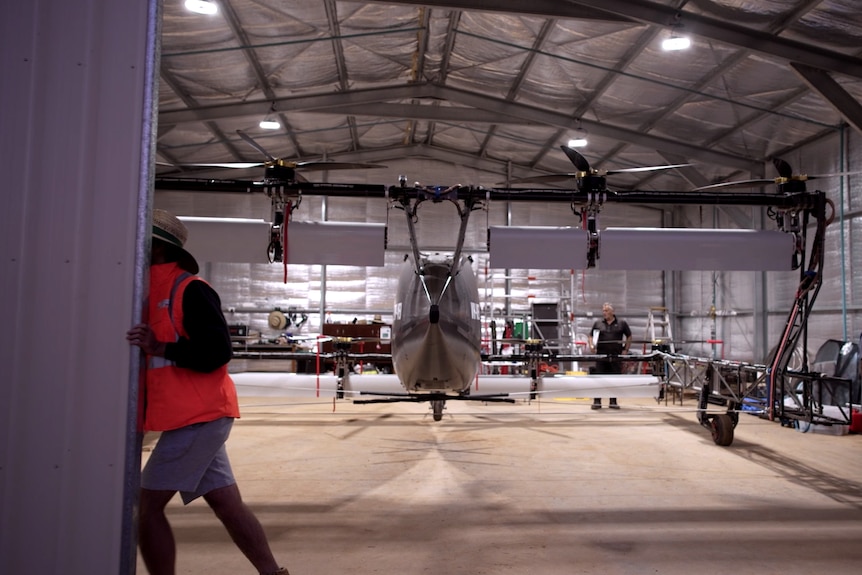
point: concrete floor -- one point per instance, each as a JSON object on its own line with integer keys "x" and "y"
{"x": 541, "y": 489}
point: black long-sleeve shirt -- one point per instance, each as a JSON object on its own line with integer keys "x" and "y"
{"x": 208, "y": 345}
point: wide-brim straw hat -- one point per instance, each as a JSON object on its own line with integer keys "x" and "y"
{"x": 277, "y": 320}
{"x": 168, "y": 228}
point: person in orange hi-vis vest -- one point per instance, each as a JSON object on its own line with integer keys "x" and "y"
{"x": 190, "y": 398}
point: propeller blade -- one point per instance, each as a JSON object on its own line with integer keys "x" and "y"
{"x": 646, "y": 169}
{"x": 821, "y": 176}
{"x": 545, "y": 179}
{"x": 255, "y": 145}
{"x": 577, "y": 159}
{"x": 566, "y": 177}
{"x": 337, "y": 165}
{"x": 779, "y": 180}
{"x": 786, "y": 172}
{"x": 736, "y": 184}
{"x": 783, "y": 168}
{"x": 583, "y": 165}
{"x": 237, "y": 165}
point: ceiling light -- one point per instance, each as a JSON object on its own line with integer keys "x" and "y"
{"x": 201, "y": 6}
{"x": 579, "y": 139}
{"x": 676, "y": 43}
{"x": 270, "y": 121}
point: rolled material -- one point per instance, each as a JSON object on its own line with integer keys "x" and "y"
{"x": 570, "y": 386}
{"x": 274, "y": 384}
{"x": 695, "y": 249}
{"x": 537, "y": 247}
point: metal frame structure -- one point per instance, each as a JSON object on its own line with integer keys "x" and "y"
{"x": 774, "y": 390}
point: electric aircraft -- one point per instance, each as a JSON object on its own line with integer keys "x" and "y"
{"x": 436, "y": 328}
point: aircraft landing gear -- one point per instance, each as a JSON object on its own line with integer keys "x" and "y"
{"x": 720, "y": 425}
{"x": 437, "y": 407}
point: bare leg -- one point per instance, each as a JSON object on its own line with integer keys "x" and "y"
{"x": 155, "y": 537}
{"x": 242, "y": 526}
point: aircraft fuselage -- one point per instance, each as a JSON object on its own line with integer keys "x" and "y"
{"x": 436, "y": 327}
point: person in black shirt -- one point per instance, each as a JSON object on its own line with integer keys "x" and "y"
{"x": 612, "y": 336}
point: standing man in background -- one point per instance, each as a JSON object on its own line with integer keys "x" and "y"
{"x": 612, "y": 336}
{"x": 191, "y": 399}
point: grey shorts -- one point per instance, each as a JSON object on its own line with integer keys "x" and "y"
{"x": 191, "y": 460}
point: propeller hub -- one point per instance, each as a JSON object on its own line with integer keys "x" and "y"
{"x": 280, "y": 172}
{"x": 593, "y": 183}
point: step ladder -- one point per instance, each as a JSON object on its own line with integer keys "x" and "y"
{"x": 658, "y": 329}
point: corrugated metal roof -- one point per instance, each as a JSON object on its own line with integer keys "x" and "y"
{"x": 499, "y": 88}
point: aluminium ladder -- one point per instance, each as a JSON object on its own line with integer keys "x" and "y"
{"x": 658, "y": 329}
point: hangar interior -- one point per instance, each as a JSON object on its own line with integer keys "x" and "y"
{"x": 451, "y": 91}
{"x": 460, "y": 93}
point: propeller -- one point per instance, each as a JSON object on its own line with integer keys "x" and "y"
{"x": 786, "y": 180}
{"x": 278, "y": 169}
{"x": 585, "y": 171}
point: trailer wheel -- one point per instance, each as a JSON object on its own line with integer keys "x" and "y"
{"x": 722, "y": 429}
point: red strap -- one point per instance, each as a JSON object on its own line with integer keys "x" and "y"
{"x": 288, "y": 209}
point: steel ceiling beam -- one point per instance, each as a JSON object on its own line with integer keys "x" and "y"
{"x": 645, "y": 12}
{"x": 606, "y": 130}
{"x": 340, "y": 62}
{"x": 450, "y": 114}
{"x": 832, "y": 92}
{"x": 424, "y": 151}
{"x": 325, "y": 102}
{"x": 445, "y": 63}
{"x": 308, "y": 103}
{"x": 235, "y": 25}
{"x": 601, "y": 87}
{"x": 526, "y": 67}
{"x": 550, "y": 8}
{"x": 733, "y": 34}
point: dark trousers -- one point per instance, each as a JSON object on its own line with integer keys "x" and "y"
{"x": 605, "y": 367}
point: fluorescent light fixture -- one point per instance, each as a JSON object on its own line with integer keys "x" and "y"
{"x": 676, "y": 43}
{"x": 269, "y": 125}
{"x": 579, "y": 142}
{"x": 201, "y": 6}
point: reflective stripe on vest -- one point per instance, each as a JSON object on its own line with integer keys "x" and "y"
{"x": 156, "y": 362}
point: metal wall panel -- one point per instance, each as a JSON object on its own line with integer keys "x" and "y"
{"x": 72, "y": 129}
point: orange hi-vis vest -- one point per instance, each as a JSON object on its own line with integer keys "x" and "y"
{"x": 176, "y": 396}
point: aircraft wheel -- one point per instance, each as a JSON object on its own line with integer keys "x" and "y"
{"x": 722, "y": 429}
{"x": 437, "y": 406}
